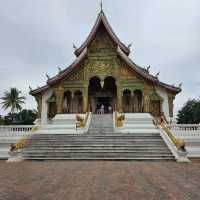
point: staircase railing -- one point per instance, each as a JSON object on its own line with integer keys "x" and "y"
{"x": 176, "y": 145}
{"x": 81, "y": 122}
{"x": 20, "y": 144}
{"x": 179, "y": 143}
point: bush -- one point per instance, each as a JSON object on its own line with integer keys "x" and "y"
{"x": 190, "y": 113}
{"x": 24, "y": 117}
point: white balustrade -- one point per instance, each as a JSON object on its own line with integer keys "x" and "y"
{"x": 17, "y": 128}
{"x": 185, "y": 130}
{"x": 11, "y": 134}
{"x": 184, "y": 127}
{"x": 190, "y": 133}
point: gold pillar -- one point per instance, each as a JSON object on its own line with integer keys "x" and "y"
{"x": 59, "y": 99}
{"x": 119, "y": 97}
{"x": 72, "y": 102}
{"x": 146, "y": 102}
{"x": 85, "y": 99}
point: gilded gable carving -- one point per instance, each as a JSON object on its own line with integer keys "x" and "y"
{"x": 102, "y": 45}
{"x": 77, "y": 76}
{"x": 101, "y": 67}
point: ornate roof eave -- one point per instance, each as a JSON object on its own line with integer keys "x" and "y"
{"x": 146, "y": 75}
{"x": 39, "y": 90}
{"x": 62, "y": 75}
{"x": 102, "y": 18}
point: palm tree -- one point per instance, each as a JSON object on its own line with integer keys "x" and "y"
{"x": 12, "y": 100}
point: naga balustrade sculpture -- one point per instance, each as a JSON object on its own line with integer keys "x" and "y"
{"x": 119, "y": 120}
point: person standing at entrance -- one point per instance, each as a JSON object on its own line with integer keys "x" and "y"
{"x": 109, "y": 109}
{"x": 102, "y": 109}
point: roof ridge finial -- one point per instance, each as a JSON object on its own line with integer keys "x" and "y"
{"x": 101, "y": 5}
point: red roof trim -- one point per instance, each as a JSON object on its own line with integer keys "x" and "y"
{"x": 61, "y": 76}
{"x": 39, "y": 90}
{"x": 102, "y": 18}
{"x": 143, "y": 73}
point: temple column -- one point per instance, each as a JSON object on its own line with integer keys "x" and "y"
{"x": 72, "y": 103}
{"x": 85, "y": 99}
{"x": 59, "y": 99}
{"x": 119, "y": 97}
{"x": 146, "y": 102}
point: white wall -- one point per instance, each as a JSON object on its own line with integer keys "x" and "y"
{"x": 165, "y": 106}
{"x": 46, "y": 95}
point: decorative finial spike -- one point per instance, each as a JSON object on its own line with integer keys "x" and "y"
{"x": 157, "y": 75}
{"x": 30, "y": 88}
{"x": 59, "y": 70}
{"x": 148, "y": 68}
{"x": 74, "y": 46}
{"x": 48, "y": 77}
{"x": 180, "y": 85}
{"x": 101, "y": 5}
{"x": 129, "y": 46}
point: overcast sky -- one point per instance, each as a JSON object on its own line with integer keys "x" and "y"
{"x": 37, "y": 36}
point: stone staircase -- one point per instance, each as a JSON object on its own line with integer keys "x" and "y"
{"x": 101, "y": 142}
{"x": 101, "y": 124}
{"x": 109, "y": 146}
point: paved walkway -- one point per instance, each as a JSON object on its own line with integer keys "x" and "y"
{"x": 99, "y": 180}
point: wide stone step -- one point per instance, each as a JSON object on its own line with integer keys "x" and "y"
{"x": 99, "y": 155}
{"x": 153, "y": 148}
{"x": 130, "y": 121}
{"x": 100, "y": 139}
{"x": 98, "y": 142}
{"x": 108, "y": 134}
{"x": 167, "y": 158}
{"x": 102, "y": 136}
{"x": 84, "y": 151}
{"x": 97, "y": 137}
{"x": 161, "y": 145}
{"x": 139, "y": 126}
{"x": 133, "y": 131}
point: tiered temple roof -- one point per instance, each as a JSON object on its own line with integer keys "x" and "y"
{"x": 122, "y": 51}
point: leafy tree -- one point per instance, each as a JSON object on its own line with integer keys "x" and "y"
{"x": 26, "y": 117}
{"x": 1, "y": 121}
{"x": 190, "y": 113}
{"x": 12, "y": 100}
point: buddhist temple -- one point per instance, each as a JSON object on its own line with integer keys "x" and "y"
{"x": 104, "y": 74}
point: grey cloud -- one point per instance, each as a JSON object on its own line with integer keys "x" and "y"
{"x": 37, "y": 36}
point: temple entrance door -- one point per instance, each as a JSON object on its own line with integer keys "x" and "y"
{"x": 107, "y": 102}
{"x": 138, "y": 101}
{"x": 102, "y": 94}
